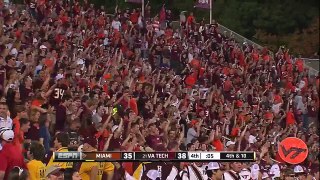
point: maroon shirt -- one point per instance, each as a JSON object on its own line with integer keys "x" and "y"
{"x": 153, "y": 141}
{"x": 2, "y": 74}
{"x": 61, "y": 116}
{"x": 25, "y": 93}
{"x": 58, "y": 94}
{"x": 175, "y": 55}
{"x": 34, "y": 132}
{"x": 115, "y": 144}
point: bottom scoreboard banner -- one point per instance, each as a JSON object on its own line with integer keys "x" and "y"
{"x": 154, "y": 156}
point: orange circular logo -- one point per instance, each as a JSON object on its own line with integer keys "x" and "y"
{"x": 293, "y": 150}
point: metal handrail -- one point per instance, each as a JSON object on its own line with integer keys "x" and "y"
{"x": 239, "y": 38}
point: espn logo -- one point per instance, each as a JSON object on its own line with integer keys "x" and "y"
{"x": 66, "y": 156}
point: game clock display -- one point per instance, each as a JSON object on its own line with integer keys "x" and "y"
{"x": 153, "y": 156}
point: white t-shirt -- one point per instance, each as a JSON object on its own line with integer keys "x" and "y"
{"x": 191, "y": 134}
{"x": 276, "y": 108}
{"x": 116, "y": 25}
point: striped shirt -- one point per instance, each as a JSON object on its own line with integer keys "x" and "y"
{"x": 192, "y": 172}
{"x": 6, "y": 123}
{"x": 156, "y": 26}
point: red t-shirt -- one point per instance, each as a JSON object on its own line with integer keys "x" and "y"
{"x": 227, "y": 85}
{"x": 36, "y": 102}
{"x": 18, "y": 135}
{"x": 218, "y": 145}
{"x": 290, "y": 118}
{"x": 9, "y": 158}
{"x": 255, "y": 56}
{"x": 134, "y": 18}
{"x": 190, "y": 20}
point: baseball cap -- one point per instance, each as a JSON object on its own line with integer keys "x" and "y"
{"x": 114, "y": 128}
{"x": 275, "y": 170}
{"x": 255, "y": 168}
{"x": 230, "y": 143}
{"x": 245, "y": 174}
{"x": 14, "y": 51}
{"x": 298, "y": 169}
{"x": 52, "y": 170}
{"x": 43, "y": 47}
{"x": 59, "y": 76}
{"x": 213, "y": 166}
{"x": 6, "y": 134}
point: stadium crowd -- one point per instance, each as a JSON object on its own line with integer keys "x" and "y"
{"x": 74, "y": 78}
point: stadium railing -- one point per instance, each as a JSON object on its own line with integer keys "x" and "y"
{"x": 241, "y": 39}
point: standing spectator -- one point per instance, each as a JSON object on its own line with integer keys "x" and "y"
{"x": 61, "y": 113}
{"x": 33, "y": 133}
{"x": 57, "y": 91}
{"x": 153, "y": 139}
{"x": 9, "y": 156}
{"x": 45, "y": 136}
{"x": 162, "y": 17}
{"x": 94, "y": 170}
{"x": 214, "y": 171}
{"x": 194, "y": 171}
{"x": 18, "y": 140}
{"x": 193, "y": 131}
{"x": 233, "y": 173}
{"x": 156, "y": 25}
{"x": 35, "y": 165}
{"x": 73, "y": 132}
{"x": 154, "y": 170}
{"x": 183, "y": 20}
{"x": 169, "y": 18}
{"x": 10, "y": 64}
{"x": 5, "y": 120}
{"x": 191, "y": 21}
{"x": 134, "y": 16}
{"x": 21, "y": 113}
{"x": 26, "y": 89}
{"x": 313, "y": 114}
{"x": 60, "y": 144}
{"x": 116, "y": 24}
{"x": 116, "y": 140}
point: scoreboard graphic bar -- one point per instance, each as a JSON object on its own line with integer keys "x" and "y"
{"x": 153, "y": 156}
